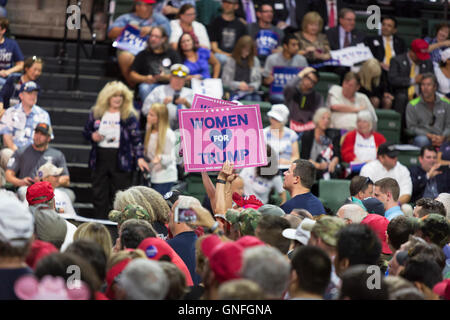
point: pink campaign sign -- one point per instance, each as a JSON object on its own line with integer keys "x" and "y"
{"x": 203, "y": 102}
{"x": 213, "y": 135}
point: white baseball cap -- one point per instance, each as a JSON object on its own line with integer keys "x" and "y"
{"x": 49, "y": 169}
{"x": 300, "y": 234}
{"x": 279, "y": 112}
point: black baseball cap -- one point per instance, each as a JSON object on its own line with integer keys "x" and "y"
{"x": 172, "y": 196}
{"x": 44, "y": 128}
{"x": 388, "y": 148}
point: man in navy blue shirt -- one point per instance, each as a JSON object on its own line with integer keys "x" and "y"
{"x": 11, "y": 58}
{"x": 298, "y": 181}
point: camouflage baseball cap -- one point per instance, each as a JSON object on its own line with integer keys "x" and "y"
{"x": 247, "y": 219}
{"x": 131, "y": 211}
{"x": 436, "y": 227}
{"x": 327, "y": 228}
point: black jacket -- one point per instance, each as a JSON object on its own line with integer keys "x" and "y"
{"x": 419, "y": 181}
{"x": 333, "y": 38}
{"x": 399, "y": 71}
{"x": 376, "y": 45}
{"x": 320, "y": 6}
{"x": 308, "y": 139}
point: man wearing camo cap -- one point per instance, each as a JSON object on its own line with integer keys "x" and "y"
{"x": 131, "y": 211}
{"x": 435, "y": 228}
{"x": 245, "y": 221}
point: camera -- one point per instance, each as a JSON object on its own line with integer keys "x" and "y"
{"x": 184, "y": 215}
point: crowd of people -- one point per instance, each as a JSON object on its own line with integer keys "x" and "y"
{"x": 259, "y": 233}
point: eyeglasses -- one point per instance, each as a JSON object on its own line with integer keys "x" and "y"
{"x": 314, "y": 82}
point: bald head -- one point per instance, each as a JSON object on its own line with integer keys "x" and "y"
{"x": 352, "y": 213}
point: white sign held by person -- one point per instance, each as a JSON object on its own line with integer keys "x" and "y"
{"x": 352, "y": 55}
{"x": 210, "y": 87}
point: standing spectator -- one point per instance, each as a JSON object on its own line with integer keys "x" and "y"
{"x": 387, "y": 166}
{"x": 428, "y": 116}
{"x": 113, "y": 130}
{"x": 361, "y": 144}
{"x": 314, "y": 44}
{"x": 266, "y": 35}
{"x": 185, "y": 23}
{"x": 442, "y": 72}
{"x": 197, "y": 59}
{"x": 328, "y": 10}
{"x": 242, "y": 71}
{"x": 298, "y": 181}
{"x": 440, "y": 42}
{"x": 321, "y": 145}
{"x": 428, "y": 178}
{"x": 426, "y": 206}
{"x": 288, "y": 57}
{"x": 19, "y": 122}
{"x": 11, "y": 58}
{"x": 225, "y": 30}
{"x": 143, "y": 18}
{"x": 387, "y": 191}
{"x": 96, "y": 232}
{"x": 3, "y": 12}
{"x": 16, "y": 232}
{"x": 9, "y": 95}
{"x": 405, "y": 73}
{"x": 345, "y": 103}
{"x": 302, "y": 100}
{"x": 173, "y": 95}
{"x": 172, "y": 8}
{"x": 280, "y": 138}
{"x": 159, "y": 146}
{"x": 151, "y": 66}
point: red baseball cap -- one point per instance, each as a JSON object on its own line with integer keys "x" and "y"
{"x": 420, "y": 48}
{"x": 112, "y": 275}
{"x": 225, "y": 258}
{"x": 39, "y": 249}
{"x": 146, "y": 1}
{"x": 249, "y": 241}
{"x": 155, "y": 248}
{"x": 40, "y": 192}
{"x": 442, "y": 289}
{"x": 379, "y": 225}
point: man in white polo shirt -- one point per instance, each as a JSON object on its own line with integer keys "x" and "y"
{"x": 387, "y": 166}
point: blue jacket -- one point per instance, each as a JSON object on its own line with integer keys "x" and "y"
{"x": 10, "y": 89}
{"x": 130, "y": 146}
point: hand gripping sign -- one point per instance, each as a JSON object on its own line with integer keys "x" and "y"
{"x": 213, "y": 135}
{"x": 130, "y": 40}
{"x": 203, "y": 102}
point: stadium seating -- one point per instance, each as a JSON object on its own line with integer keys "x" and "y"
{"x": 327, "y": 79}
{"x": 389, "y": 124}
{"x": 333, "y": 193}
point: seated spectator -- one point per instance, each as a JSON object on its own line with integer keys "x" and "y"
{"x": 361, "y": 145}
{"x": 225, "y": 30}
{"x": 267, "y": 267}
{"x": 267, "y": 36}
{"x": 387, "y": 166}
{"x": 242, "y": 71}
{"x": 314, "y": 45}
{"x": 19, "y": 122}
{"x": 371, "y": 85}
{"x": 151, "y": 200}
{"x": 426, "y": 206}
{"x": 345, "y": 35}
{"x": 142, "y": 18}
{"x": 321, "y": 146}
{"x": 442, "y": 72}
{"x": 288, "y": 57}
{"x": 11, "y": 56}
{"x": 387, "y": 191}
{"x": 172, "y": 8}
{"x": 298, "y": 181}
{"x": 429, "y": 179}
{"x": 355, "y": 282}
{"x": 428, "y": 116}
{"x": 96, "y": 232}
{"x": 113, "y": 130}
{"x": 15, "y": 242}
{"x": 151, "y": 66}
{"x": 197, "y": 59}
{"x": 9, "y": 94}
{"x": 280, "y": 138}
{"x": 360, "y": 188}
{"x": 440, "y": 42}
{"x": 345, "y": 103}
{"x": 302, "y": 100}
{"x": 185, "y": 23}
{"x": 259, "y": 182}
{"x": 405, "y": 73}
{"x": 23, "y": 167}
{"x": 173, "y": 95}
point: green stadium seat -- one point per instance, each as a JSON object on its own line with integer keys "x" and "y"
{"x": 327, "y": 79}
{"x": 409, "y": 29}
{"x": 333, "y": 192}
{"x": 361, "y": 25}
{"x": 264, "y": 107}
{"x": 389, "y": 124}
{"x": 409, "y": 158}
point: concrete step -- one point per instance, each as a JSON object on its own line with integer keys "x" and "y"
{"x": 68, "y": 134}
{"x": 79, "y": 172}
{"x": 66, "y": 82}
{"x": 68, "y": 116}
{"x": 75, "y": 153}
{"x": 107, "y": 68}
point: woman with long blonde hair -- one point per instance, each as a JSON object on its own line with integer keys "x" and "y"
{"x": 159, "y": 146}
{"x": 370, "y": 79}
{"x": 113, "y": 130}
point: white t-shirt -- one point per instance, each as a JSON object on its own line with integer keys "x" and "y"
{"x": 258, "y": 186}
{"x": 365, "y": 149}
{"x": 166, "y": 170}
{"x": 62, "y": 201}
{"x": 110, "y": 129}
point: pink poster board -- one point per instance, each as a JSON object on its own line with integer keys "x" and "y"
{"x": 203, "y": 102}
{"x": 213, "y": 135}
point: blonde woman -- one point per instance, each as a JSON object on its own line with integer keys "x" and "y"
{"x": 371, "y": 86}
{"x": 96, "y": 232}
{"x": 113, "y": 130}
{"x": 159, "y": 146}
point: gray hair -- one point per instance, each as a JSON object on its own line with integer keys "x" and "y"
{"x": 319, "y": 113}
{"x": 144, "y": 279}
{"x": 444, "y": 198}
{"x": 268, "y": 267}
{"x": 353, "y": 212}
{"x": 365, "y": 115}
